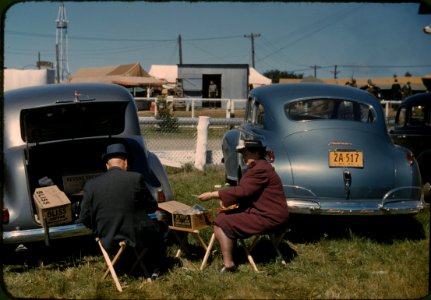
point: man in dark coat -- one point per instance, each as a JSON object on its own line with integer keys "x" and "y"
{"x": 260, "y": 200}
{"x": 116, "y": 206}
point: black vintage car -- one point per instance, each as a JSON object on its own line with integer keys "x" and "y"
{"x": 57, "y": 133}
{"x": 412, "y": 129}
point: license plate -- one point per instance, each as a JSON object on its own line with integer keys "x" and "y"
{"x": 346, "y": 158}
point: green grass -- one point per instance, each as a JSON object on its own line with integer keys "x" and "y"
{"x": 335, "y": 258}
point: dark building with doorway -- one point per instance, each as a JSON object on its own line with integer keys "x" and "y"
{"x": 231, "y": 81}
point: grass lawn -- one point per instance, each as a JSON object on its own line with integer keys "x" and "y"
{"x": 336, "y": 258}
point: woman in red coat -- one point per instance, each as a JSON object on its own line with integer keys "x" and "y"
{"x": 262, "y": 205}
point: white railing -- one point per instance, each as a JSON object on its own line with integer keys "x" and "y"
{"x": 191, "y": 103}
{"x": 230, "y": 104}
{"x": 388, "y": 104}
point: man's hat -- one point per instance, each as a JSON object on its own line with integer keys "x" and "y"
{"x": 114, "y": 150}
{"x": 251, "y": 144}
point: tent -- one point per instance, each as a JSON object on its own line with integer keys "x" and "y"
{"x": 256, "y": 79}
{"x": 131, "y": 75}
{"x": 169, "y": 73}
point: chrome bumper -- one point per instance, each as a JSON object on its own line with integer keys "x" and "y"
{"x": 39, "y": 234}
{"x": 399, "y": 201}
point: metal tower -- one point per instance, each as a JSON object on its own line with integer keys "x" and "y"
{"x": 62, "y": 64}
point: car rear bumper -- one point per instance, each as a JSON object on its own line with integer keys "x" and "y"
{"x": 399, "y": 201}
{"x": 39, "y": 234}
{"x": 354, "y": 208}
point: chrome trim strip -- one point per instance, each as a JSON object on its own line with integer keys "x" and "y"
{"x": 38, "y": 234}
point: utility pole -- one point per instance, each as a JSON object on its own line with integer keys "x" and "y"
{"x": 180, "y": 48}
{"x": 315, "y": 70}
{"x": 251, "y": 37}
{"x": 61, "y": 45}
{"x": 335, "y": 72}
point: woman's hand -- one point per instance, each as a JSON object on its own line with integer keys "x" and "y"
{"x": 208, "y": 196}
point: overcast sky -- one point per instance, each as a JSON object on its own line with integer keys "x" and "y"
{"x": 362, "y": 40}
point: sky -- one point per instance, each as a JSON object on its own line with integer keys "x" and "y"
{"x": 361, "y": 40}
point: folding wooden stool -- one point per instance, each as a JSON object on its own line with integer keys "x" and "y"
{"x": 183, "y": 242}
{"x": 276, "y": 237}
{"x": 111, "y": 263}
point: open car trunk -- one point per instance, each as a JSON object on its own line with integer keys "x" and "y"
{"x": 66, "y": 141}
{"x": 67, "y": 164}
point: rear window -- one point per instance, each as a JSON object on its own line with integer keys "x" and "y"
{"x": 72, "y": 120}
{"x": 334, "y": 109}
{"x": 419, "y": 116}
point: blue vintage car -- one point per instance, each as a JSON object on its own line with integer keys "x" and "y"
{"x": 56, "y": 134}
{"x": 331, "y": 148}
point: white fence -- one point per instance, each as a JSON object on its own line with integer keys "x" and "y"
{"x": 198, "y": 141}
{"x": 229, "y": 105}
{"x": 189, "y": 104}
{"x": 194, "y": 141}
{"x": 389, "y": 105}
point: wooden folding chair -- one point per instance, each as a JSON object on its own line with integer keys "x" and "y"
{"x": 111, "y": 263}
{"x": 276, "y": 237}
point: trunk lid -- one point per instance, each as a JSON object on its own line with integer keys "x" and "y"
{"x": 72, "y": 120}
{"x": 311, "y": 168}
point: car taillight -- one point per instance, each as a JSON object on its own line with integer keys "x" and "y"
{"x": 5, "y": 216}
{"x": 161, "y": 196}
{"x": 270, "y": 155}
{"x": 410, "y": 157}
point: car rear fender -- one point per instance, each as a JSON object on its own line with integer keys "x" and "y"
{"x": 17, "y": 196}
{"x": 230, "y": 156}
{"x": 404, "y": 169}
{"x": 157, "y": 168}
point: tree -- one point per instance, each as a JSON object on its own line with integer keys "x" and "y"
{"x": 168, "y": 121}
{"x": 275, "y": 75}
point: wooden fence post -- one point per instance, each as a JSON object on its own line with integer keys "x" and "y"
{"x": 202, "y": 143}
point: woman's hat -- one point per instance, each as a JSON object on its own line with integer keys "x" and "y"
{"x": 251, "y": 144}
{"x": 114, "y": 150}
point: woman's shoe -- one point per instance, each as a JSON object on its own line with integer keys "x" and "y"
{"x": 225, "y": 269}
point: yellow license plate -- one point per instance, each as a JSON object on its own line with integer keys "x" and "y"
{"x": 346, "y": 158}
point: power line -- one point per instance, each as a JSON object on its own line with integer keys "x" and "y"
{"x": 105, "y": 39}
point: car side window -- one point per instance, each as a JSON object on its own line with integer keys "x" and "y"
{"x": 249, "y": 110}
{"x": 259, "y": 114}
{"x": 428, "y": 118}
{"x": 401, "y": 120}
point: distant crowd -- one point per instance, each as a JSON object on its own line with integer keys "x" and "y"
{"x": 397, "y": 92}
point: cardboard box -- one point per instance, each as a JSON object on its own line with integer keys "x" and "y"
{"x": 184, "y": 216}
{"x": 53, "y": 205}
{"x": 74, "y": 183}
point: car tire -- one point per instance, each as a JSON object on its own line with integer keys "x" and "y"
{"x": 230, "y": 181}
